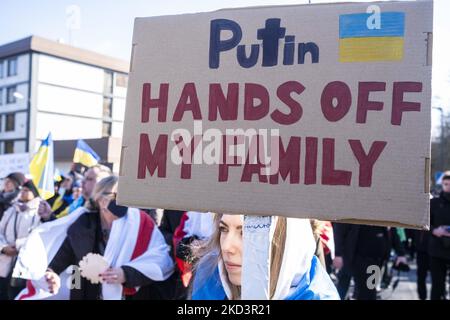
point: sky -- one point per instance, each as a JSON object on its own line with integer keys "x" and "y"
{"x": 106, "y": 26}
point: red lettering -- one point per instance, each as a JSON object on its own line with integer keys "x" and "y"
{"x": 311, "y": 160}
{"x": 148, "y": 103}
{"x": 227, "y": 107}
{"x": 284, "y": 94}
{"x": 186, "y": 162}
{"x": 341, "y": 92}
{"x": 188, "y": 102}
{"x": 251, "y": 111}
{"x": 366, "y": 161}
{"x": 256, "y": 148}
{"x": 149, "y": 160}
{"x": 398, "y": 105}
{"x": 331, "y": 176}
{"x": 228, "y": 161}
{"x": 289, "y": 161}
{"x": 364, "y": 104}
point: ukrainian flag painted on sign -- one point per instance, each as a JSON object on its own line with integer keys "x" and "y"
{"x": 85, "y": 155}
{"x": 42, "y": 169}
{"x": 358, "y": 43}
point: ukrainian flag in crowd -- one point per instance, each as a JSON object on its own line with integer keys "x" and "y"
{"x": 42, "y": 168}
{"x": 85, "y": 155}
{"x": 358, "y": 43}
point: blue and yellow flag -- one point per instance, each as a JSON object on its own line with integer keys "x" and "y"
{"x": 85, "y": 155}
{"x": 359, "y": 43}
{"x": 42, "y": 168}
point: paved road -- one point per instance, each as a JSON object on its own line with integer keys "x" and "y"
{"x": 406, "y": 288}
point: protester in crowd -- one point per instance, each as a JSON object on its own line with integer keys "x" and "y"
{"x": 344, "y": 278}
{"x": 439, "y": 242}
{"x": 170, "y": 221}
{"x": 360, "y": 246}
{"x": 420, "y": 240}
{"x": 63, "y": 198}
{"x": 77, "y": 171}
{"x": 128, "y": 239}
{"x": 76, "y": 190}
{"x": 11, "y": 188}
{"x": 327, "y": 239}
{"x": 408, "y": 244}
{"x": 295, "y": 272}
{"x": 420, "y": 243}
{"x": 91, "y": 177}
{"x": 193, "y": 227}
{"x": 342, "y": 272}
{"x": 15, "y": 226}
{"x": 323, "y": 234}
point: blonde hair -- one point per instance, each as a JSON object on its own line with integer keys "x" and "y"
{"x": 101, "y": 171}
{"x": 208, "y": 254}
{"x": 105, "y": 185}
{"x": 316, "y": 226}
{"x": 277, "y": 251}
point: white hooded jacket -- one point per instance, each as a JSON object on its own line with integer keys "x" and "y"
{"x": 15, "y": 226}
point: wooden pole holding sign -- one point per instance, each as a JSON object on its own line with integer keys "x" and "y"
{"x": 255, "y": 276}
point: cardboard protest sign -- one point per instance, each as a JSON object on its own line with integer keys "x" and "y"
{"x": 305, "y": 111}
{"x": 17, "y": 162}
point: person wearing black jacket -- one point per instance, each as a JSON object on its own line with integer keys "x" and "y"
{"x": 439, "y": 243}
{"x": 12, "y": 184}
{"x": 83, "y": 237}
{"x": 90, "y": 234}
{"x": 420, "y": 240}
{"x": 169, "y": 223}
{"x": 357, "y": 247}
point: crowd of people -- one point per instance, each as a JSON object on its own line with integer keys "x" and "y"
{"x": 168, "y": 254}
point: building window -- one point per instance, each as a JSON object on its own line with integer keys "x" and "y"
{"x": 12, "y": 67}
{"x": 108, "y": 83}
{"x": 121, "y": 80}
{"x": 1, "y": 69}
{"x": 1, "y": 96}
{"x": 106, "y": 130}
{"x": 107, "y": 107}
{"x": 10, "y": 122}
{"x": 9, "y": 146}
{"x": 10, "y": 98}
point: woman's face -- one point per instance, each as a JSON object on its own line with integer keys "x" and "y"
{"x": 10, "y": 187}
{"x": 231, "y": 246}
{"x": 26, "y": 195}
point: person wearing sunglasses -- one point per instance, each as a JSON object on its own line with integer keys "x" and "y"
{"x": 127, "y": 238}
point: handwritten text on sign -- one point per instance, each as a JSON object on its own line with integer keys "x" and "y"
{"x": 225, "y": 149}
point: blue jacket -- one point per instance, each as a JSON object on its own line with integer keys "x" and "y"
{"x": 315, "y": 285}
